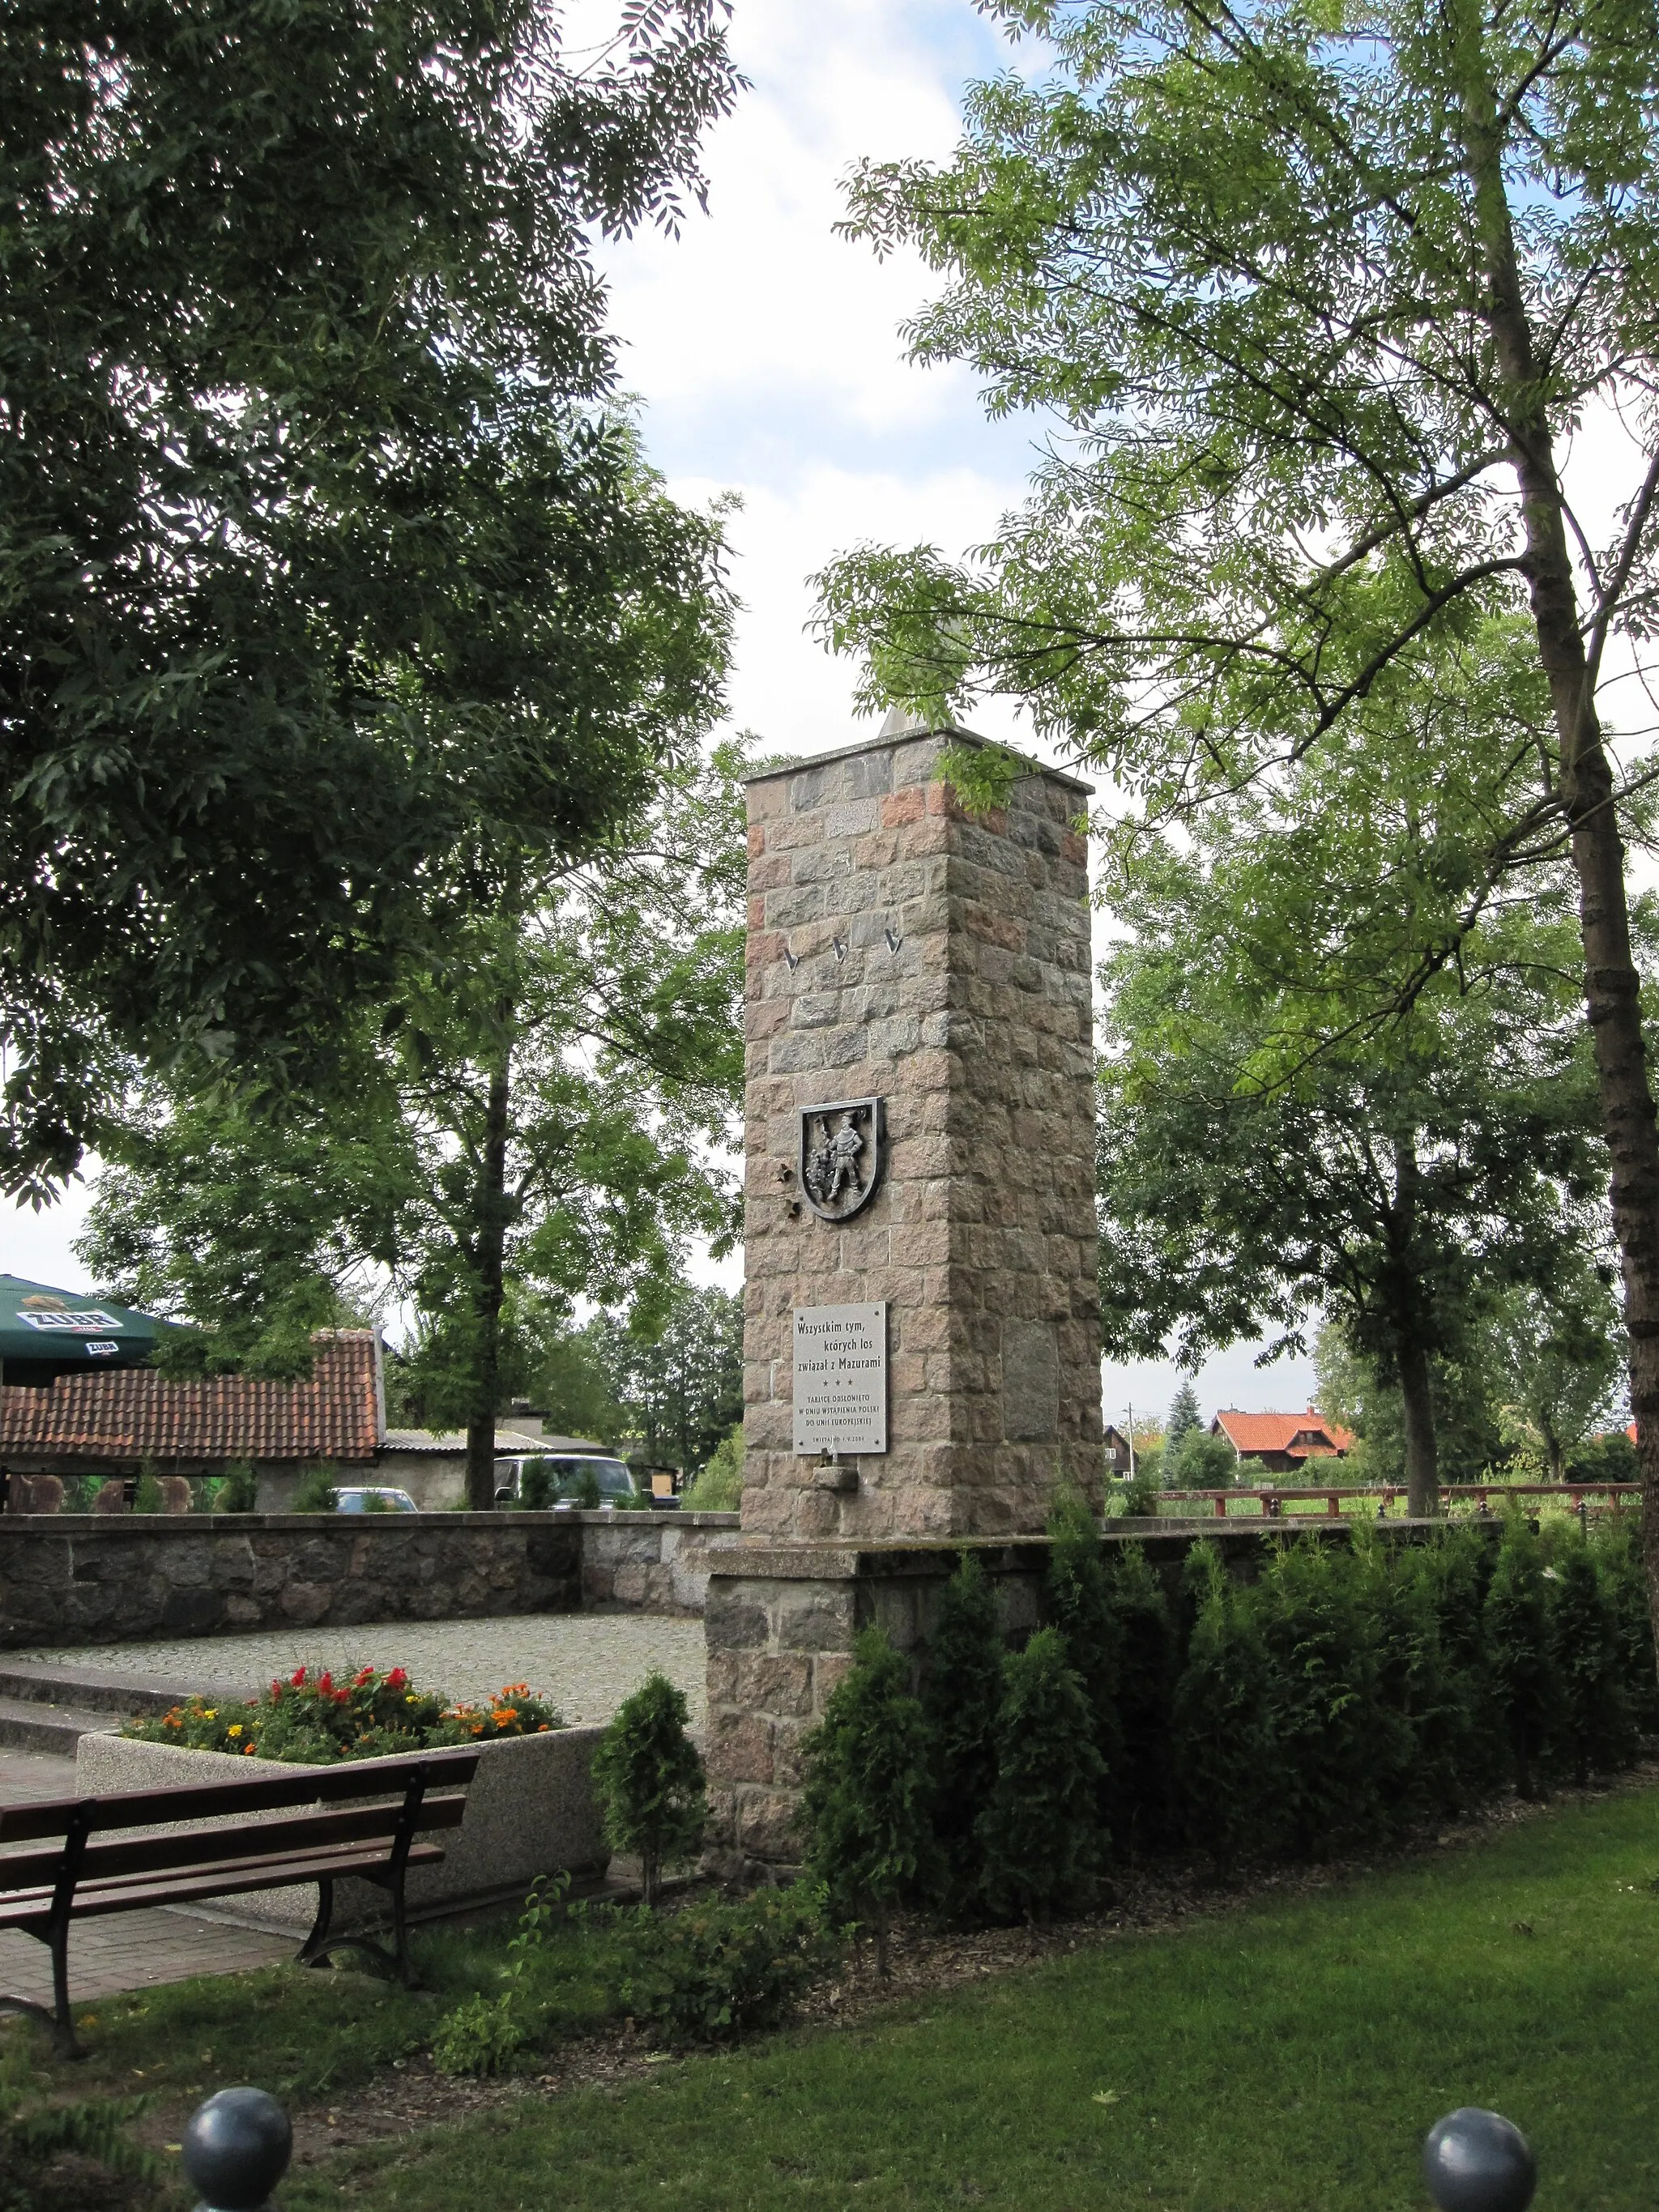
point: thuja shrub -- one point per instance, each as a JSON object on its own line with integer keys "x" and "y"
{"x": 1338, "y": 1751}
{"x": 1080, "y": 1605}
{"x": 310, "y": 1719}
{"x": 1041, "y": 1833}
{"x": 1148, "y": 1663}
{"x": 1617, "y": 1550}
{"x": 1515, "y": 1617}
{"x": 960, "y": 1701}
{"x": 867, "y": 1803}
{"x": 1222, "y": 1752}
{"x": 649, "y": 1781}
{"x": 1597, "y": 1730}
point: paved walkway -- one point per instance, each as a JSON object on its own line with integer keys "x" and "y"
{"x": 586, "y": 1663}
{"x": 128, "y": 1950}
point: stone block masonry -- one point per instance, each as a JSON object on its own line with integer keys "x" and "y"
{"x": 899, "y": 948}
{"x": 82, "y": 1578}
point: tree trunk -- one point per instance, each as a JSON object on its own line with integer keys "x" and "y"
{"x": 1422, "y": 1451}
{"x": 1612, "y": 986}
{"x": 491, "y": 1248}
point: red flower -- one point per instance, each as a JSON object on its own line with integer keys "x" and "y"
{"x": 366, "y": 1675}
{"x": 298, "y": 1677}
{"x": 276, "y": 1689}
{"x": 396, "y": 1679}
{"x": 325, "y": 1683}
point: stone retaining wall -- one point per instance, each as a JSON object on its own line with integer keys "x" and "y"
{"x": 650, "y": 1562}
{"x": 82, "y": 1578}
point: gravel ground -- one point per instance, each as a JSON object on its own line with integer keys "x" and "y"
{"x": 586, "y": 1663}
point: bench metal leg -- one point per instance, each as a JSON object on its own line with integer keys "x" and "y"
{"x": 314, "y": 1951}
{"x": 59, "y": 2019}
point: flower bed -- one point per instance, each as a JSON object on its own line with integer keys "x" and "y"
{"x": 310, "y": 1720}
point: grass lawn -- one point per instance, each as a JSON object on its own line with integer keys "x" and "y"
{"x": 1293, "y": 2057}
{"x": 1289, "y": 2057}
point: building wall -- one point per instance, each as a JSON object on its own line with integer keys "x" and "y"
{"x": 961, "y": 996}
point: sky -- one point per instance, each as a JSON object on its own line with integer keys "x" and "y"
{"x": 767, "y": 358}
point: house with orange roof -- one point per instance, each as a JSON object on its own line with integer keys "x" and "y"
{"x": 1282, "y": 1443}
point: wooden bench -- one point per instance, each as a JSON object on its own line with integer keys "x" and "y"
{"x": 79, "y": 1870}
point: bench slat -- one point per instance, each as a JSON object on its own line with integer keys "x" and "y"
{"x": 151, "y": 1853}
{"x": 277, "y": 1873}
{"x": 307, "y": 1786}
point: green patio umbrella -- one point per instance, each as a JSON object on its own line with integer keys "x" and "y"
{"x": 46, "y": 1332}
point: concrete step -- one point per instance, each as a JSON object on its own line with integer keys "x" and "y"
{"x": 105, "y": 1690}
{"x": 31, "y": 1725}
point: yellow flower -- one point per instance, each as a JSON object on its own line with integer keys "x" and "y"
{"x": 212, "y": 1714}
{"x": 235, "y": 1728}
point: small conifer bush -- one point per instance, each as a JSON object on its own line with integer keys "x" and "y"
{"x": 960, "y": 1701}
{"x": 649, "y": 1781}
{"x": 867, "y": 1805}
{"x": 1079, "y": 1605}
{"x": 1597, "y": 1731}
{"x": 1147, "y": 1664}
{"x": 1224, "y": 1754}
{"x": 1041, "y": 1833}
{"x": 1516, "y": 1622}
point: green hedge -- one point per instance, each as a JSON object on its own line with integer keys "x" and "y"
{"x": 1349, "y": 1693}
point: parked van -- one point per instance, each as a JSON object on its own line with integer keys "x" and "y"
{"x": 575, "y": 1475}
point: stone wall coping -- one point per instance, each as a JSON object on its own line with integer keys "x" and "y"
{"x": 851, "y": 1559}
{"x": 880, "y": 745}
{"x": 21, "y": 1525}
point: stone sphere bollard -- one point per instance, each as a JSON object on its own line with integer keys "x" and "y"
{"x": 236, "y": 2148}
{"x": 1476, "y": 2161}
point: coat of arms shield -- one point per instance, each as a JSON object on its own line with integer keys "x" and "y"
{"x": 842, "y": 1152}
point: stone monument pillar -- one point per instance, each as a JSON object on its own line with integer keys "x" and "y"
{"x": 922, "y": 1335}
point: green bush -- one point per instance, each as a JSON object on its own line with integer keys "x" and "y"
{"x": 865, "y": 1804}
{"x": 146, "y": 1498}
{"x": 960, "y": 1701}
{"x": 538, "y": 1486}
{"x": 1223, "y": 1753}
{"x": 1596, "y": 1729}
{"x": 704, "y": 1974}
{"x": 1078, "y": 1600}
{"x": 719, "y": 1487}
{"x": 315, "y": 1492}
{"x": 1617, "y": 1548}
{"x": 1146, "y": 1666}
{"x": 1515, "y": 1617}
{"x": 1335, "y": 1746}
{"x": 649, "y": 1782}
{"x": 238, "y": 1492}
{"x": 1041, "y": 1832}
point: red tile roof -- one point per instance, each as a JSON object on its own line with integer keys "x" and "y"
{"x": 1300, "y": 1436}
{"x": 134, "y": 1414}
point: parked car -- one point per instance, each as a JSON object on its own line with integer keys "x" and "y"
{"x": 574, "y": 1475}
{"x": 374, "y": 1498}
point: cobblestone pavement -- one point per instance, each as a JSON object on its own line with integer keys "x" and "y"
{"x": 586, "y": 1663}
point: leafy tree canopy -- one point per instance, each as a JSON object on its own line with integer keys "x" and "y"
{"x": 533, "y": 1122}
{"x": 1304, "y": 1106}
{"x": 317, "y": 549}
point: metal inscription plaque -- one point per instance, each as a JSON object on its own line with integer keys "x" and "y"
{"x": 842, "y": 1150}
{"x": 841, "y": 1379}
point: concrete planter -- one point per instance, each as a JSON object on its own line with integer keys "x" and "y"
{"x": 529, "y": 1810}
